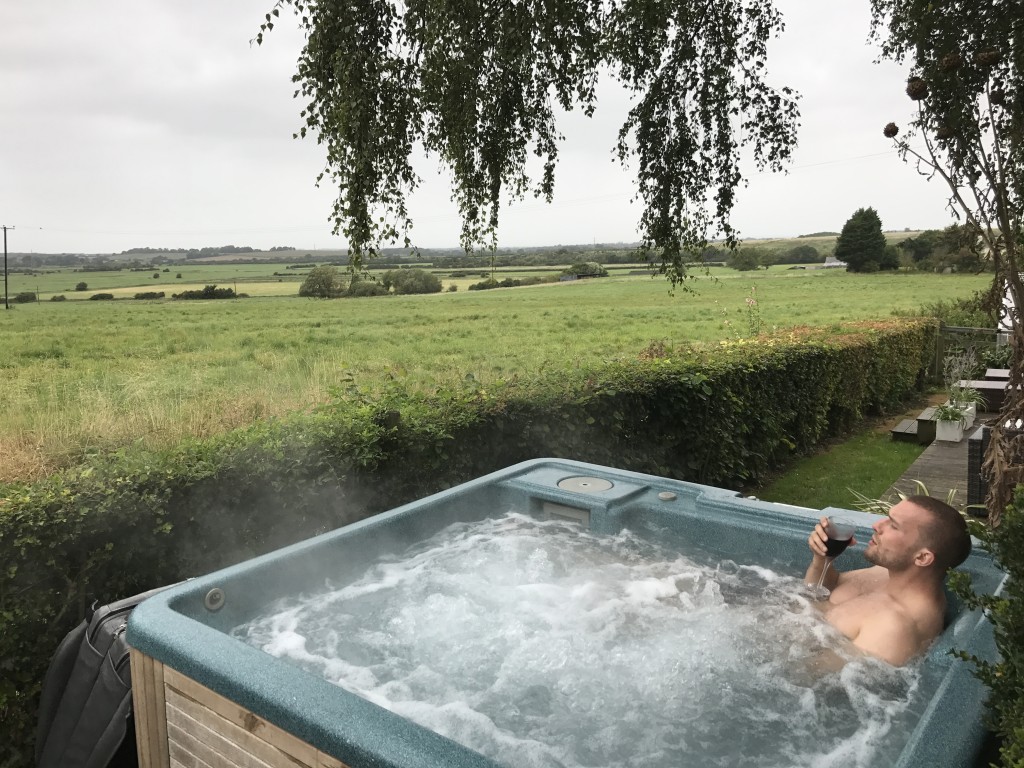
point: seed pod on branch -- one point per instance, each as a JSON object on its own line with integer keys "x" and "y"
{"x": 987, "y": 58}
{"x": 917, "y": 88}
{"x": 890, "y": 130}
{"x": 951, "y": 61}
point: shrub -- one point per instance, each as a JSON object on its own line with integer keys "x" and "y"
{"x": 745, "y": 259}
{"x": 58, "y": 297}
{"x": 971, "y": 312}
{"x": 361, "y": 288}
{"x": 101, "y": 297}
{"x": 150, "y": 295}
{"x": 81, "y": 286}
{"x": 801, "y": 254}
{"x": 586, "y": 269}
{"x": 486, "y": 285}
{"x": 411, "y": 281}
{"x": 23, "y": 297}
{"x": 208, "y": 292}
{"x": 322, "y": 283}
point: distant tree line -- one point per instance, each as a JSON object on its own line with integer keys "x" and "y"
{"x": 864, "y": 250}
{"x": 209, "y": 292}
{"x": 327, "y": 282}
{"x": 196, "y": 253}
{"x": 750, "y": 258}
{"x": 863, "y": 247}
{"x": 958, "y": 248}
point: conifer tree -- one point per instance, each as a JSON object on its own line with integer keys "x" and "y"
{"x": 861, "y": 243}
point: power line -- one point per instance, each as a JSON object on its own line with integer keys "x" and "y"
{"x": 845, "y": 159}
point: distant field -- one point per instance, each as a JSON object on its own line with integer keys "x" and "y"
{"x": 266, "y": 279}
{"x": 82, "y": 375}
{"x": 244, "y": 277}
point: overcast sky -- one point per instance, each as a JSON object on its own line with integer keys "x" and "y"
{"x": 156, "y": 123}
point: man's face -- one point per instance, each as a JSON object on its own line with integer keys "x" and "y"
{"x": 897, "y": 537}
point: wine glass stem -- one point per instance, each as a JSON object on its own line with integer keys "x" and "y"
{"x": 824, "y": 570}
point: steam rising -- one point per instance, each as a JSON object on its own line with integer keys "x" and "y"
{"x": 540, "y": 644}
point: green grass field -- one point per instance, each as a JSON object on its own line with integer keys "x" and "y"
{"x": 83, "y": 375}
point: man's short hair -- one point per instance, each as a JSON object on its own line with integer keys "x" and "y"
{"x": 946, "y": 532}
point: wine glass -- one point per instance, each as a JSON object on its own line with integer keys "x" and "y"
{"x": 840, "y": 534}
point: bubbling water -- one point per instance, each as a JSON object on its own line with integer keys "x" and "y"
{"x": 541, "y": 644}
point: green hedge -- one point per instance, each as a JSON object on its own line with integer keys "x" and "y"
{"x": 724, "y": 415}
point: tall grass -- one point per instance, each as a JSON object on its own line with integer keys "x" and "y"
{"x": 77, "y": 377}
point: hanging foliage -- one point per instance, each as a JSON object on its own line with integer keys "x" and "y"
{"x": 478, "y": 84}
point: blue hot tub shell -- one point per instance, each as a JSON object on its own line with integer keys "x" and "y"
{"x": 178, "y": 628}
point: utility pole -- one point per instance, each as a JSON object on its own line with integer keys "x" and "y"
{"x": 7, "y": 304}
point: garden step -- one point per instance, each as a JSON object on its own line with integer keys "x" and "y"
{"x": 926, "y": 426}
{"x": 905, "y": 431}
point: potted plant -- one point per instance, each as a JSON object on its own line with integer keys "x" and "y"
{"x": 949, "y": 423}
{"x": 967, "y": 399}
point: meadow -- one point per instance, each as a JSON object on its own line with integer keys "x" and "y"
{"x": 82, "y": 376}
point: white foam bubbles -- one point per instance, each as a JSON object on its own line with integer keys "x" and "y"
{"x": 542, "y": 644}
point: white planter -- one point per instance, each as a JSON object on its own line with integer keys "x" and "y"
{"x": 970, "y": 413}
{"x": 949, "y": 431}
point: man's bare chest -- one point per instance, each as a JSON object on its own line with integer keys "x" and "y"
{"x": 850, "y": 612}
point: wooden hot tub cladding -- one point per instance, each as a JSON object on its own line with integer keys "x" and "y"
{"x": 182, "y": 724}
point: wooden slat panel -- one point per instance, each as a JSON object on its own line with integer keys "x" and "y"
{"x": 266, "y": 741}
{"x": 149, "y": 705}
{"x": 181, "y": 756}
{"x": 220, "y": 742}
{"x": 203, "y": 744}
{"x": 242, "y": 717}
{"x": 142, "y": 705}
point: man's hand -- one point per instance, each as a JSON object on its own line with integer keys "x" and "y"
{"x": 816, "y": 541}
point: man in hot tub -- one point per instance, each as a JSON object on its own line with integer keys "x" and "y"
{"x": 895, "y": 609}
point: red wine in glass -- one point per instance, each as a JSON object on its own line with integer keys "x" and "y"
{"x": 840, "y": 534}
{"x": 836, "y": 547}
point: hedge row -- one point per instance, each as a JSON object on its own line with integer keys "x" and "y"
{"x": 725, "y": 415}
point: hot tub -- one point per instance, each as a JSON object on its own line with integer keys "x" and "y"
{"x": 203, "y": 697}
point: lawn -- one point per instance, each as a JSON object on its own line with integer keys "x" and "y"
{"x": 868, "y": 463}
{"x": 85, "y": 375}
